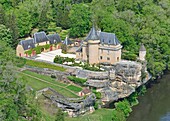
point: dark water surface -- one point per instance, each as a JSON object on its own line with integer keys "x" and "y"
{"x": 155, "y": 104}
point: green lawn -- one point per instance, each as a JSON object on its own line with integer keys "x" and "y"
{"x": 44, "y": 65}
{"x": 98, "y": 115}
{"x": 74, "y": 88}
{"x": 37, "y": 84}
{"x": 44, "y": 77}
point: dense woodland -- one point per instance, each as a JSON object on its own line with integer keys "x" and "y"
{"x": 133, "y": 21}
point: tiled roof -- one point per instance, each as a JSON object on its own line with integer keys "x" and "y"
{"x": 54, "y": 38}
{"x": 40, "y": 37}
{"x": 108, "y": 38}
{"x": 104, "y": 37}
{"x": 27, "y": 44}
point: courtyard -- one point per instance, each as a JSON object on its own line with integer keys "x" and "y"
{"x": 49, "y": 56}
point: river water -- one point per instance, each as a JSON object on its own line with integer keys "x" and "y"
{"x": 155, "y": 104}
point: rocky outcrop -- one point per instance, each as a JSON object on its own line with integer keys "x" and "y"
{"x": 74, "y": 107}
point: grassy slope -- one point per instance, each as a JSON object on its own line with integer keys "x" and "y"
{"x": 44, "y": 65}
{"x": 98, "y": 115}
{"x": 37, "y": 84}
{"x": 74, "y": 88}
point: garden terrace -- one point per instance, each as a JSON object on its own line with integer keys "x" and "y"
{"x": 38, "y": 82}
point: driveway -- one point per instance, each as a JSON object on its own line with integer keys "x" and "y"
{"x": 49, "y": 56}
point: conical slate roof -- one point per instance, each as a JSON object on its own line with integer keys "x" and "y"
{"x": 142, "y": 48}
{"x": 92, "y": 34}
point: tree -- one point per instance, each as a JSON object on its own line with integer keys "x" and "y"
{"x": 60, "y": 115}
{"x": 80, "y": 18}
{"x": 5, "y": 35}
{"x": 23, "y": 19}
{"x": 12, "y": 25}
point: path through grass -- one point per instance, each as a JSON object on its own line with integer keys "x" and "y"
{"x": 38, "y": 82}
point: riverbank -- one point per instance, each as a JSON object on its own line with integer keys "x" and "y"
{"x": 155, "y": 104}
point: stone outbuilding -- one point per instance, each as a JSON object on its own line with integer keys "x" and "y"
{"x": 40, "y": 39}
{"x": 100, "y": 47}
{"x": 85, "y": 91}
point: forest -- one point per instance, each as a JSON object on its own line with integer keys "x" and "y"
{"x": 133, "y": 21}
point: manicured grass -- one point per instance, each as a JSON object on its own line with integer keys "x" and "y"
{"x": 98, "y": 115}
{"x": 44, "y": 77}
{"x": 38, "y": 85}
{"x": 74, "y": 88}
{"x": 44, "y": 65}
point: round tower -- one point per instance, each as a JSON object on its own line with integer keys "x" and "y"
{"x": 142, "y": 52}
{"x": 93, "y": 46}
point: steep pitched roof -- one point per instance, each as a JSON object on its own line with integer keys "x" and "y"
{"x": 108, "y": 38}
{"x": 67, "y": 41}
{"x": 92, "y": 35}
{"x": 54, "y": 38}
{"x": 142, "y": 48}
{"x": 86, "y": 91}
{"x": 40, "y": 37}
{"x": 27, "y": 44}
{"x": 104, "y": 37}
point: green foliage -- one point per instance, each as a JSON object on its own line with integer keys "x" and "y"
{"x": 98, "y": 94}
{"x": 5, "y": 35}
{"x": 80, "y": 20}
{"x": 142, "y": 90}
{"x": 118, "y": 115}
{"x": 61, "y": 60}
{"x": 59, "y": 115}
{"x": 15, "y": 104}
{"x": 44, "y": 65}
{"x": 74, "y": 88}
{"x": 129, "y": 56}
{"x": 77, "y": 80}
{"x": 96, "y": 105}
{"x": 133, "y": 99}
{"x": 123, "y": 106}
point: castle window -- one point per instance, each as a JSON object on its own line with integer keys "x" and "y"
{"x": 117, "y": 58}
{"x": 108, "y": 58}
{"x": 101, "y": 57}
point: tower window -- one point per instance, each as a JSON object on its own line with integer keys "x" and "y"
{"x": 101, "y": 57}
{"x": 117, "y": 58}
{"x": 101, "y": 51}
{"x": 108, "y": 58}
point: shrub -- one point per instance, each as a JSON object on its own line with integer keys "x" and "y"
{"x": 53, "y": 76}
{"x": 77, "y": 80}
{"x": 123, "y": 106}
{"x": 98, "y": 94}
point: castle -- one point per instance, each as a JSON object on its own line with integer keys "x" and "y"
{"x": 100, "y": 47}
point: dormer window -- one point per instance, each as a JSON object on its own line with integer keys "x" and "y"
{"x": 109, "y": 41}
{"x": 54, "y": 41}
{"x": 29, "y": 46}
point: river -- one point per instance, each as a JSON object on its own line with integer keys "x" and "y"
{"x": 155, "y": 104}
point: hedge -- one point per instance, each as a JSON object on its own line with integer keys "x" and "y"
{"x": 77, "y": 80}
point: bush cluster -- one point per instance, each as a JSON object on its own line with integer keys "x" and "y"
{"x": 61, "y": 60}
{"x": 77, "y": 80}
